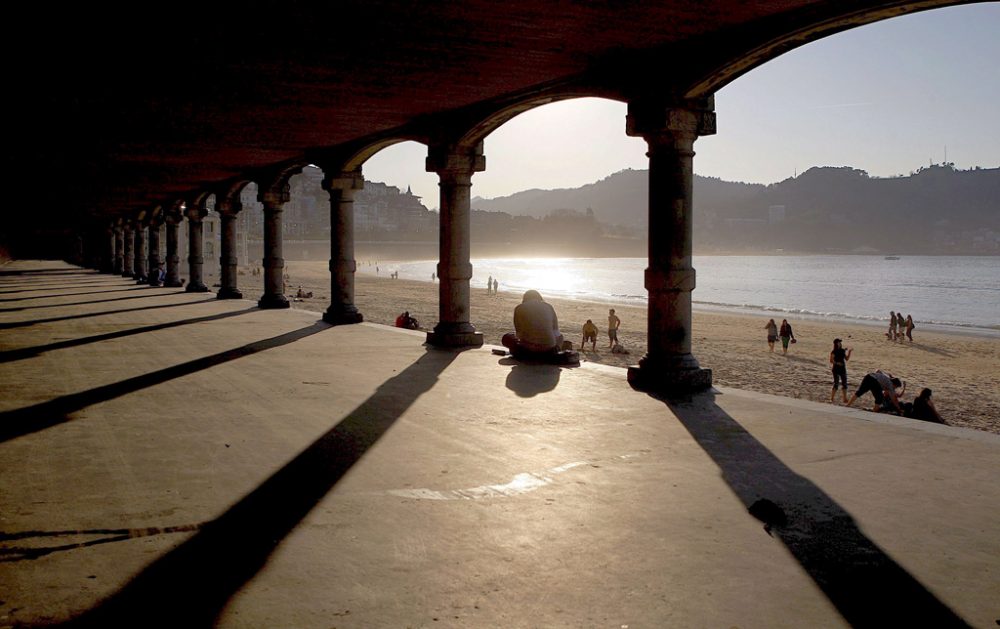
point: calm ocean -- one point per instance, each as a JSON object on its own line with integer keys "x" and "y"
{"x": 939, "y": 291}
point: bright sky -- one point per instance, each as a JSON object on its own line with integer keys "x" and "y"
{"x": 887, "y": 98}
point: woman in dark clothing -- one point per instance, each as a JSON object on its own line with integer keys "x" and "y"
{"x": 786, "y": 334}
{"x": 924, "y": 409}
{"x": 838, "y": 359}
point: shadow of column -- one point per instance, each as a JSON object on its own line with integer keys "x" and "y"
{"x": 30, "y": 352}
{"x": 190, "y": 585}
{"x": 867, "y": 587}
{"x": 50, "y": 413}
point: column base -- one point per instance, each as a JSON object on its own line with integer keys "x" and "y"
{"x": 342, "y": 316}
{"x": 173, "y": 284}
{"x": 129, "y": 275}
{"x": 676, "y": 376}
{"x": 229, "y": 293}
{"x": 197, "y": 288}
{"x": 273, "y": 302}
{"x": 455, "y": 335}
{"x": 155, "y": 283}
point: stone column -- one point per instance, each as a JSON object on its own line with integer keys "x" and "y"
{"x": 455, "y": 167}
{"x": 341, "y": 186}
{"x": 274, "y": 199}
{"x": 228, "y": 210}
{"x": 119, "y": 263}
{"x": 196, "y": 260}
{"x": 128, "y": 261}
{"x": 108, "y": 256}
{"x": 173, "y": 278}
{"x": 140, "y": 252}
{"x": 670, "y": 132}
{"x": 153, "y": 273}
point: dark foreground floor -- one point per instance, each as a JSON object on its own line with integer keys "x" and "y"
{"x": 168, "y": 459}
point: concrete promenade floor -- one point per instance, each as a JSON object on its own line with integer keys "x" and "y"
{"x": 169, "y": 459}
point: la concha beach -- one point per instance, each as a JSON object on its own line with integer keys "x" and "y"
{"x": 963, "y": 370}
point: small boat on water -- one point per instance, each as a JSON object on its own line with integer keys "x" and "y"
{"x": 892, "y": 257}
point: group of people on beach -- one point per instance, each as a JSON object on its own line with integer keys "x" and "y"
{"x": 784, "y": 333}
{"x": 886, "y": 389}
{"x": 900, "y": 327}
{"x": 536, "y": 334}
{"x": 492, "y": 285}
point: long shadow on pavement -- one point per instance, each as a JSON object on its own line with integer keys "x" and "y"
{"x": 94, "y": 301}
{"x": 60, "y": 295}
{"x": 44, "y": 415}
{"x": 867, "y": 587}
{"x": 190, "y": 585}
{"x": 23, "y": 324}
{"x": 29, "y": 352}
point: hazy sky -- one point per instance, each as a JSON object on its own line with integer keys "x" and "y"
{"x": 886, "y": 98}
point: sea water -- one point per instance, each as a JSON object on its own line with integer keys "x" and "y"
{"x": 939, "y": 291}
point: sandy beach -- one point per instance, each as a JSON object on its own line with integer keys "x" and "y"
{"x": 962, "y": 370}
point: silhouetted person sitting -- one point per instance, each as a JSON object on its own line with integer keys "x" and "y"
{"x": 923, "y": 408}
{"x": 406, "y": 321}
{"x": 536, "y": 332}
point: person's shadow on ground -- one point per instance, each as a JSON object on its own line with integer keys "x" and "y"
{"x": 529, "y": 379}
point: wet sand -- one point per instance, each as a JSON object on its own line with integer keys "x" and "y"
{"x": 962, "y": 370}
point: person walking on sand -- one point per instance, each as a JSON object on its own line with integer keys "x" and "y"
{"x": 772, "y": 333}
{"x": 838, "y": 360}
{"x": 613, "y": 324}
{"x": 786, "y": 335}
{"x": 589, "y": 334}
{"x": 891, "y": 334}
{"x": 909, "y": 327}
{"x": 900, "y": 326}
{"x": 489, "y": 285}
{"x": 496, "y": 285}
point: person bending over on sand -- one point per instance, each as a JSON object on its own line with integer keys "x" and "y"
{"x": 882, "y": 386}
{"x": 772, "y": 334}
{"x": 838, "y": 359}
{"x": 589, "y": 334}
{"x": 786, "y": 335}
{"x": 613, "y": 324}
{"x": 923, "y": 408}
{"x": 536, "y": 331}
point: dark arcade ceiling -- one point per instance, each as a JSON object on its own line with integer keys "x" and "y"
{"x": 114, "y": 111}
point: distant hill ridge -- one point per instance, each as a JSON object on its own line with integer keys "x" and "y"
{"x": 937, "y": 209}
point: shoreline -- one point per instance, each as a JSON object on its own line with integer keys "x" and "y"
{"x": 957, "y": 329}
{"x": 961, "y": 369}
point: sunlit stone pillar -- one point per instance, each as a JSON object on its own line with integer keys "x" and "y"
{"x": 140, "y": 252}
{"x": 455, "y": 167}
{"x": 128, "y": 261}
{"x": 341, "y": 186}
{"x": 173, "y": 277}
{"x": 274, "y": 199}
{"x": 228, "y": 209}
{"x": 119, "y": 262}
{"x": 153, "y": 274}
{"x": 196, "y": 260}
{"x": 670, "y": 132}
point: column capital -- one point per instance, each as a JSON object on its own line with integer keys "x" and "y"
{"x": 454, "y": 160}
{"x": 195, "y": 213}
{"x": 276, "y": 195}
{"x": 229, "y": 207}
{"x": 685, "y": 119}
{"x": 342, "y": 180}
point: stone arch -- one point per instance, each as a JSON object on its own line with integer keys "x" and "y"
{"x": 753, "y": 47}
